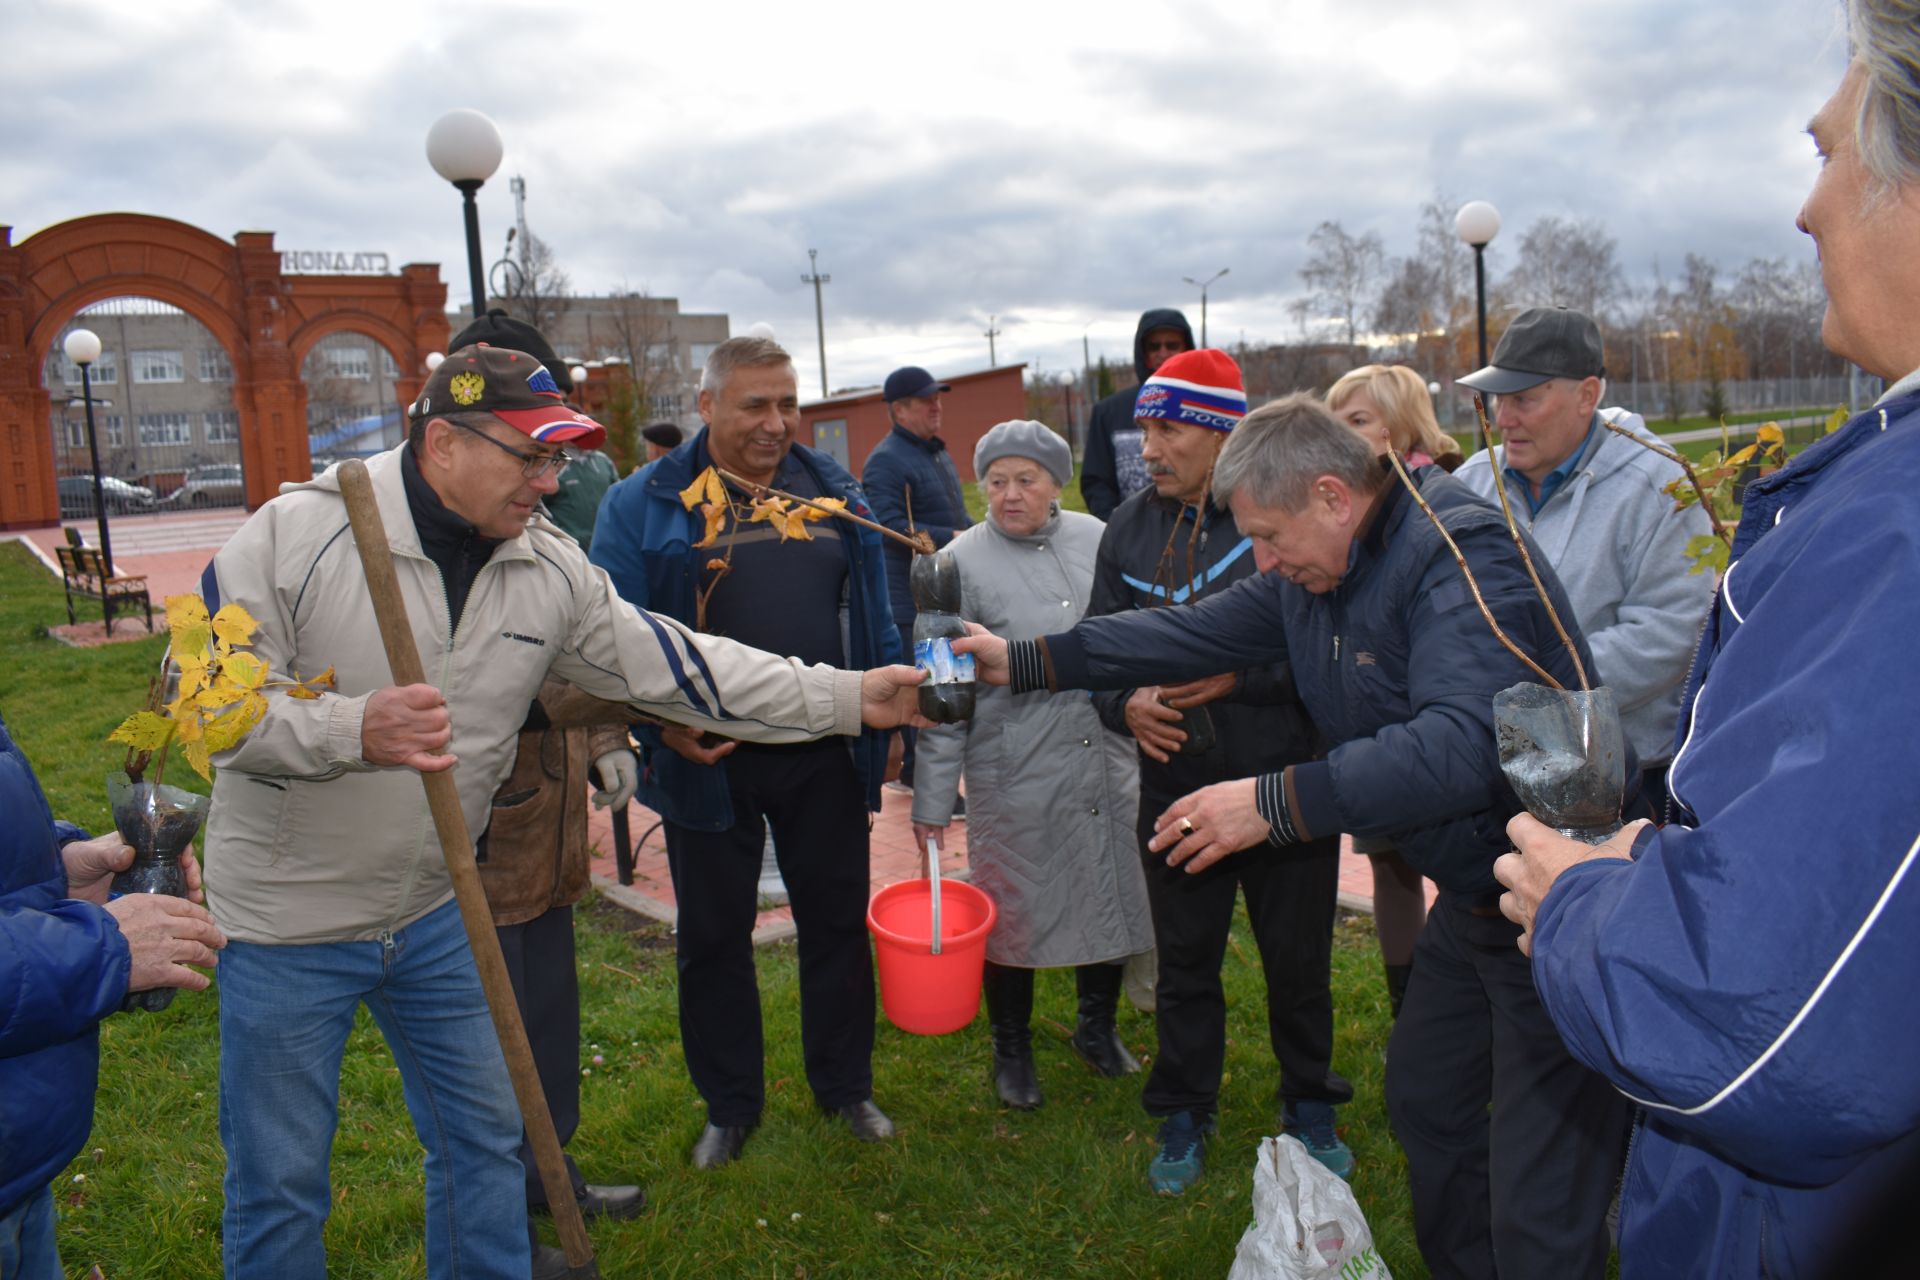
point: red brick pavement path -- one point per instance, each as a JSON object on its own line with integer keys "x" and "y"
{"x": 172, "y": 549}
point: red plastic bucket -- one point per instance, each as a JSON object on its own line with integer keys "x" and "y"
{"x": 927, "y": 994}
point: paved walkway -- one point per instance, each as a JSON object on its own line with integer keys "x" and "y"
{"x": 171, "y": 550}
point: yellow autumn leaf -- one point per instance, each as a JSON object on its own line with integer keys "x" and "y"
{"x": 234, "y": 625}
{"x": 245, "y": 670}
{"x": 210, "y": 702}
{"x": 187, "y": 623}
{"x": 794, "y": 525}
{"x": 200, "y": 758}
{"x": 1836, "y": 420}
{"x": 1770, "y": 433}
{"x": 767, "y": 509}
{"x": 226, "y": 729}
{"x": 1744, "y": 456}
{"x": 195, "y": 674}
{"x": 143, "y": 731}
{"x": 706, "y": 487}
{"x": 824, "y": 507}
{"x": 309, "y": 689}
{"x": 716, "y": 517}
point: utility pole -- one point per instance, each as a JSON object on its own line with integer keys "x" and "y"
{"x": 519, "y": 188}
{"x": 815, "y": 279}
{"x": 993, "y": 358}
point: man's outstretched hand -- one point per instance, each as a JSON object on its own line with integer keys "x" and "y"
{"x": 889, "y": 698}
{"x": 989, "y": 654}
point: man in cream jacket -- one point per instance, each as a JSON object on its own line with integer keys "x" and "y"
{"x": 322, "y": 864}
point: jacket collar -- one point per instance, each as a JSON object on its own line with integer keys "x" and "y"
{"x": 932, "y": 444}
{"x": 1045, "y": 531}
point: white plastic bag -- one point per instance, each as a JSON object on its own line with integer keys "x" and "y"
{"x": 1306, "y": 1223}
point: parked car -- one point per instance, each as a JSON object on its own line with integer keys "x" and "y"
{"x": 76, "y": 496}
{"x": 218, "y": 485}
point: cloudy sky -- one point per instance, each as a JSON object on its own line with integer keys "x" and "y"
{"x": 1060, "y": 166}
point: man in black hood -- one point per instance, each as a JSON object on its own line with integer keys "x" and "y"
{"x": 1112, "y": 470}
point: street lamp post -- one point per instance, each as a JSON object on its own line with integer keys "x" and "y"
{"x": 83, "y": 348}
{"x": 814, "y": 278}
{"x": 1478, "y": 223}
{"x": 1202, "y": 286}
{"x": 464, "y": 148}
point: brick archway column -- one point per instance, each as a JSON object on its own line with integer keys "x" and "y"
{"x": 27, "y": 494}
{"x": 272, "y": 400}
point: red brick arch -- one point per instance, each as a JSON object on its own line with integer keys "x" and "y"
{"x": 267, "y": 322}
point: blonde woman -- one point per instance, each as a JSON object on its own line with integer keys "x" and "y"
{"x": 1387, "y": 403}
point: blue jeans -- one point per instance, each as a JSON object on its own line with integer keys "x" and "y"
{"x": 285, "y": 1012}
{"x": 27, "y": 1250}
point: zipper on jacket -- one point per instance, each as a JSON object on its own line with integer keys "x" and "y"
{"x": 1336, "y": 646}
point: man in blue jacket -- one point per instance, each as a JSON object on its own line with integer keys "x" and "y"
{"x": 1746, "y": 973}
{"x": 818, "y": 600}
{"x": 68, "y": 957}
{"x": 1511, "y": 1145}
{"x": 911, "y": 481}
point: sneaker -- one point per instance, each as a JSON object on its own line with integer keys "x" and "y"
{"x": 898, "y": 787}
{"x": 959, "y": 808}
{"x": 1312, "y": 1124}
{"x": 1183, "y": 1152}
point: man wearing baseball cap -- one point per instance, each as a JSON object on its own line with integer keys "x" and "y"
{"x": 1597, "y": 504}
{"x": 1168, "y": 546}
{"x": 911, "y": 481}
{"x": 322, "y": 866}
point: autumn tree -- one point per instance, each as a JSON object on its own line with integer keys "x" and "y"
{"x": 1341, "y": 270}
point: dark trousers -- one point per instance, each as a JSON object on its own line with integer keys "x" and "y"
{"x": 1513, "y": 1148}
{"x": 1290, "y": 900}
{"x": 812, "y": 797}
{"x": 539, "y": 956}
{"x": 908, "y": 736}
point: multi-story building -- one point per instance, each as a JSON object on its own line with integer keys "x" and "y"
{"x": 663, "y": 347}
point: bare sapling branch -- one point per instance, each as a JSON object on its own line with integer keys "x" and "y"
{"x": 1693, "y": 477}
{"x": 1513, "y": 528}
{"x": 1473, "y": 585}
{"x": 920, "y": 542}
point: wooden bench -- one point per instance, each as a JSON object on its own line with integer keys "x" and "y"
{"x": 85, "y": 574}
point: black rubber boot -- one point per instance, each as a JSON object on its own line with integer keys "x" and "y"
{"x": 1094, "y": 1038}
{"x": 1397, "y": 976}
{"x": 1010, "y": 1014}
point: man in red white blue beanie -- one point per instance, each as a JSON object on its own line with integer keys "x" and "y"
{"x": 1201, "y": 387}
{"x": 1166, "y": 547}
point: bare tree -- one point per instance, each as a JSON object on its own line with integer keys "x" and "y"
{"x": 1566, "y": 263}
{"x": 1341, "y": 270}
{"x": 541, "y": 291}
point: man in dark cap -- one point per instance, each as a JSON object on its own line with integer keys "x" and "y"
{"x": 1598, "y": 506}
{"x": 662, "y": 439}
{"x": 911, "y": 482}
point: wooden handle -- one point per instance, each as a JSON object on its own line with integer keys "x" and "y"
{"x": 450, "y": 822}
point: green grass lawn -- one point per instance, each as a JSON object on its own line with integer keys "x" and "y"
{"x": 967, "y": 1190}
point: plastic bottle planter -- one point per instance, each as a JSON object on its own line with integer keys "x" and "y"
{"x": 159, "y": 822}
{"x": 946, "y": 696}
{"x": 1565, "y": 755}
{"x": 1197, "y": 724}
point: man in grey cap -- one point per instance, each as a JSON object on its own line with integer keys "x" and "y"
{"x": 1597, "y": 505}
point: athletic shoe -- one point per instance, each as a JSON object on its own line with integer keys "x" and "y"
{"x": 1312, "y": 1124}
{"x": 1183, "y": 1152}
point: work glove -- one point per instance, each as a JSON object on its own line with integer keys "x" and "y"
{"x": 619, "y": 774}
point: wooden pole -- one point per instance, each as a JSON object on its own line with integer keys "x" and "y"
{"x": 443, "y": 801}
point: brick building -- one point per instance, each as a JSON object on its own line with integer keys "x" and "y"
{"x": 849, "y": 426}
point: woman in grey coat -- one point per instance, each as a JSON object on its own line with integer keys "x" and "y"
{"x": 1051, "y": 792}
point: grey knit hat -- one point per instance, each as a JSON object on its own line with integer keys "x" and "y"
{"x": 1024, "y": 438}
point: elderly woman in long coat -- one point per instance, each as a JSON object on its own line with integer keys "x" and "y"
{"x": 1051, "y": 791}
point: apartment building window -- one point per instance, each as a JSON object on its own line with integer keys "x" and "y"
{"x": 74, "y": 436}
{"x": 110, "y": 430}
{"x": 214, "y": 365}
{"x": 222, "y": 426}
{"x": 697, "y": 353}
{"x": 352, "y": 363}
{"x": 159, "y": 366}
{"x": 164, "y": 429}
{"x": 388, "y": 369}
{"x": 666, "y": 406}
{"x": 105, "y": 370}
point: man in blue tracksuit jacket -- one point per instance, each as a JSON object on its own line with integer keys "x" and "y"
{"x": 1748, "y": 976}
{"x": 1512, "y": 1146}
{"x": 67, "y": 959}
{"x": 817, "y": 600}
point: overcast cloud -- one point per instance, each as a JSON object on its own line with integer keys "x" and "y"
{"x": 1057, "y": 165}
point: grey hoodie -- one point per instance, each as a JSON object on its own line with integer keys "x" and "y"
{"x": 1619, "y": 548}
